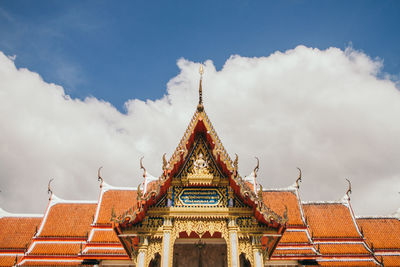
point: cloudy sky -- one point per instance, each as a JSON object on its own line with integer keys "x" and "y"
{"x": 298, "y": 84}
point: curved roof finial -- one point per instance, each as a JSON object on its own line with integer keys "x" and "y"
{"x": 348, "y": 192}
{"x": 257, "y": 167}
{"x": 298, "y": 180}
{"x": 142, "y": 167}
{"x": 200, "y": 106}
{"x": 99, "y": 178}
{"x": 49, "y": 191}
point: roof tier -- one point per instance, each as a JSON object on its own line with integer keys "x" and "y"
{"x": 330, "y": 220}
{"x": 382, "y": 233}
{"x": 67, "y": 220}
{"x": 17, "y": 232}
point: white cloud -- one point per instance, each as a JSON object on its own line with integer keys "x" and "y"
{"x": 324, "y": 111}
{"x": 12, "y": 57}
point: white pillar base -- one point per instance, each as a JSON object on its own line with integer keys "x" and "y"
{"x": 166, "y": 249}
{"x": 234, "y": 249}
{"x": 141, "y": 258}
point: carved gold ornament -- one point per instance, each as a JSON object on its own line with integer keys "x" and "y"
{"x": 155, "y": 246}
{"x": 246, "y": 248}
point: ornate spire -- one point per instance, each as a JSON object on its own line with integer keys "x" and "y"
{"x": 200, "y": 106}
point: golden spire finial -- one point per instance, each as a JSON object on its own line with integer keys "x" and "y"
{"x": 201, "y": 71}
{"x": 200, "y": 106}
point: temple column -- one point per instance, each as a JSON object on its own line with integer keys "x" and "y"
{"x": 167, "y": 247}
{"x": 257, "y": 253}
{"x": 234, "y": 243}
{"x": 141, "y": 258}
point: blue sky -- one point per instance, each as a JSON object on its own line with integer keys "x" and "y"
{"x": 128, "y": 49}
{"x": 332, "y": 110}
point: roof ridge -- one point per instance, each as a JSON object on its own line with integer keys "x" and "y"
{"x": 344, "y": 201}
{"x": 57, "y": 200}
{"x": 377, "y": 217}
{"x": 106, "y": 187}
{"x": 290, "y": 188}
{"x": 4, "y": 214}
{"x": 320, "y": 202}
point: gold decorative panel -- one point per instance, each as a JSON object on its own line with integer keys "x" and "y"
{"x": 200, "y": 168}
{"x": 200, "y": 197}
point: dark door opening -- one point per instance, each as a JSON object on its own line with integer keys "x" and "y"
{"x": 199, "y": 254}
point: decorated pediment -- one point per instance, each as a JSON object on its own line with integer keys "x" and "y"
{"x": 200, "y": 173}
{"x": 200, "y": 167}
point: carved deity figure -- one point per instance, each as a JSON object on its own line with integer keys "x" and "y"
{"x": 200, "y": 166}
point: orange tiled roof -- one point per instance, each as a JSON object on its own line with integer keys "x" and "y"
{"x": 17, "y": 232}
{"x": 342, "y": 248}
{"x": 285, "y": 252}
{"x": 276, "y": 200}
{"x": 7, "y": 260}
{"x": 68, "y": 220}
{"x": 54, "y": 262}
{"x": 119, "y": 200}
{"x": 390, "y": 260}
{"x": 104, "y": 236}
{"x": 294, "y": 237}
{"x": 384, "y": 233}
{"x": 106, "y": 251}
{"x": 330, "y": 220}
{"x": 51, "y": 248}
{"x": 347, "y": 263}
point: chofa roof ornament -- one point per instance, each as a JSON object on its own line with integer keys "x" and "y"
{"x": 298, "y": 180}
{"x": 147, "y": 177}
{"x": 99, "y": 178}
{"x": 49, "y": 191}
{"x": 257, "y": 167}
{"x": 348, "y": 192}
{"x": 142, "y": 167}
{"x": 253, "y": 175}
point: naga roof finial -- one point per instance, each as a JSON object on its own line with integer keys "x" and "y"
{"x": 285, "y": 213}
{"x": 200, "y": 106}
{"x": 142, "y": 167}
{"x": 298, "y": 180}
{"x": 236, "y": 165}
{"x": 165, "y": 162}
{"x": 348, "y": 192}
{"x": 49, "y": 191}
{"x": 99, "y": 178}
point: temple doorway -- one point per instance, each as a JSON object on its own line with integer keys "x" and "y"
{"x": 243, "y": 261}
{"x": 200, "y": 252}
{"x": 156, "y": 261}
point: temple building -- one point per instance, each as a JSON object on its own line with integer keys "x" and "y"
{"x": 198, "y": 212}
